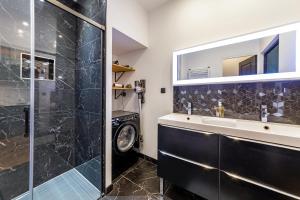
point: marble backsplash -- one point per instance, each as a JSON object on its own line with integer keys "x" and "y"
{"x": 243, "y": 100}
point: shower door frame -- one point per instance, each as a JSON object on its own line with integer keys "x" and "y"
{"x": 32, "y": 90}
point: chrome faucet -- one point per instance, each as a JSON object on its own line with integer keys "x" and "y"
{"x": 189, "y": 108}
{"x": 264, "y": 113}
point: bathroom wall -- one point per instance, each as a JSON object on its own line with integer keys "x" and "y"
{"x": 130, "y": 18}
{"x": 180, "y": 24}
{"x": 89, "y": 102}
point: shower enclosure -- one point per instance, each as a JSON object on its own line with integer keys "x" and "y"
{"x": 52, "y": 103}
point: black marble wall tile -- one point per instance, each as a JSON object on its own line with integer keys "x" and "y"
{"x": 243, "y": 100}
{"x": 48, "y": 164}
{"x": 12, "y": 121}
{"x": 17, "y": 178}
{"x": 88, "y": 136}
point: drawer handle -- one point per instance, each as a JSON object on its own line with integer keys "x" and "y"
{"x": 187, "y": 160}
{"x": 263, "y": 143}
{"x": 234, "y": 176}
{"x": 186, "y": 129}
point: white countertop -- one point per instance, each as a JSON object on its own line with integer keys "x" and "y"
{"x": 280, "y": 134}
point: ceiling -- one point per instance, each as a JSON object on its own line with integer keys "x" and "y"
{"x": 151, "y": 4}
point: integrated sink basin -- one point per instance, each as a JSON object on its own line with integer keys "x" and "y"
{"x": 284, "y": 134}
{"x": 219, "y": 121}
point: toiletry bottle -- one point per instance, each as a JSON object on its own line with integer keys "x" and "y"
{"x": 221, "y": 109}
{"x": 217, "y": 111}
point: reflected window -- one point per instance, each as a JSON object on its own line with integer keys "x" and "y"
{"x": 248, "y": 66}
{"x": 271, "y": 59}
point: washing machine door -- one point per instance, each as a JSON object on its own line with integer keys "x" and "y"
{"x": 125, "y": 138}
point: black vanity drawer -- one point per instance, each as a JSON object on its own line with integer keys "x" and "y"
{"x": 271, "y": 165}
{"x": 237, "y": 189}
{"x": 201, "y": 180}
{"x": 195, "y": 146}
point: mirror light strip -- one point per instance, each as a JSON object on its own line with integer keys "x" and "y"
{"x": 77, "y": 14}
{"x": 187, "y": 160}
{"x": 237, "y": 79}
{"x": 259, "y": 184}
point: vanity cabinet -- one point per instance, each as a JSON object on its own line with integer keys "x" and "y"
{"x": 200, "y": 147}
{"x": 219, "y": 167}
{"x": 272, "y": 165}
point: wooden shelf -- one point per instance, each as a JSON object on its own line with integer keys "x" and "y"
{"x": 117, "y": 88}
{"x": 120, "y": 68}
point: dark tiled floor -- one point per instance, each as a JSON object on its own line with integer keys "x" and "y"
{"x": 140, "y": 182}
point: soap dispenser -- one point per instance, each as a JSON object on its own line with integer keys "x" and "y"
{"x": 220, "y": 110}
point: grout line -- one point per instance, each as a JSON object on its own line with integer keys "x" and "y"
{"x": 132, "y": 182}
{"x": 141, "y": 187}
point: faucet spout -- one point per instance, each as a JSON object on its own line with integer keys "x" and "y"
{"x": 189, "y": 108}
{"x": 264, "y": 113}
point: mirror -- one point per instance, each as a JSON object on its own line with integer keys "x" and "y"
{"x": 267, "y": 55}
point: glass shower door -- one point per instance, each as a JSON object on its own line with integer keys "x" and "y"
{"x": 14, "y": 97}
{"x": 68, "y": 102}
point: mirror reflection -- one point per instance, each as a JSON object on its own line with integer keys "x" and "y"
{"x": 267, "y": 55}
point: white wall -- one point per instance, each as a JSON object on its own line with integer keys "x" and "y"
{"x": 231, "y": 66}
{"x": 130, "y": 18}
{"x": 108, "y": 99}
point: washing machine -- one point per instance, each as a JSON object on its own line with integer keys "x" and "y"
{"x": 125, "y": 141}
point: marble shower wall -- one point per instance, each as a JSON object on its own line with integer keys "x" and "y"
{"x": 243, "y": 101}
{"x": 89, "y": 101}
{"x": 12, "y": 121}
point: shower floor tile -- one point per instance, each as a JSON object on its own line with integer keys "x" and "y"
{"x": 69, "y": 185}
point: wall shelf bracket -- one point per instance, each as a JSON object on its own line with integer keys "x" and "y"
{"x": 118, "y": 77}
{"x": 122, "y": 93}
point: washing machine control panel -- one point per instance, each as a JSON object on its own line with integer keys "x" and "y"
{"x": 118, "y": 120}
